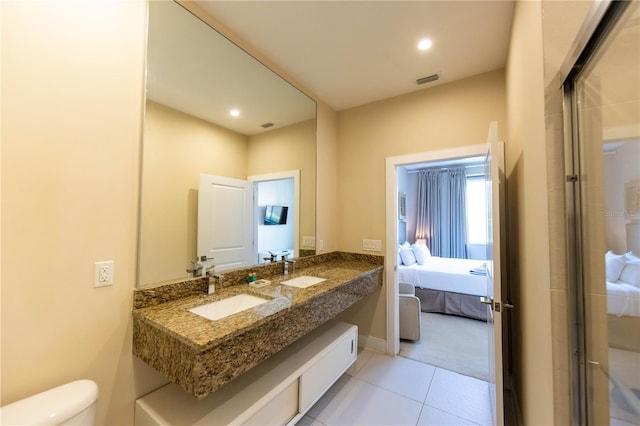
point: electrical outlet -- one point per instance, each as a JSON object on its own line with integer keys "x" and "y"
{"x": 309, "y": 241}
{"x": 372, "y": 245}
{"x": 103, "y": 274}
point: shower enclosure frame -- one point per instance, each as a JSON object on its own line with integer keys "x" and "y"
{"x": 599, "y": 25}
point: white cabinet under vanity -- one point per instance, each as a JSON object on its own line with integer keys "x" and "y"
{"x": 278, "y": 391}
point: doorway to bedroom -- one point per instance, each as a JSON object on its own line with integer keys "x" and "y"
{"x": 494, "y": 298}
{"x": 457, "y": 342}
{"x": 441, "y": 237}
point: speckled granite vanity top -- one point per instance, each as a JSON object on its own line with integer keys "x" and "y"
{"x": 202, "y": 333}
{"x": 202, "y": 355}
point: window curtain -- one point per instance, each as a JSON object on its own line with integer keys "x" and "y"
{"x": 442, "y": 211}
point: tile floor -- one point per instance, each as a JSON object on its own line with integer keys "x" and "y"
{"x": 384, "y": 390}
{"x": 624, "y": 370}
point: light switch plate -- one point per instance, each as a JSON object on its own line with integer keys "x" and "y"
{"x": 372, "y": 245}
{"x": 309, "y": 241}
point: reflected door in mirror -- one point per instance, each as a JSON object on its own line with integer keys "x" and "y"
{"x": 225, "y": 221}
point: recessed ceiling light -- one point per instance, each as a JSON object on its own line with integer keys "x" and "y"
{"x": 424, "y": 44}
{"x": 234, "y": 112}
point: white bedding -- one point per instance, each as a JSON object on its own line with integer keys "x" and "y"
{"x": 445, "y": 274}
{"x": 440, "y": 273}
{"x": 623, "y": 299}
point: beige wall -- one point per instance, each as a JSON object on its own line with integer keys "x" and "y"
{"x": 528, "y": 217}
{"x": 446, "y": 116}
{"x": 177, "y": 148}
{"x": 327, "y": 180}
{"x": 289, "y": 148}
{"x": 72, "y": 97}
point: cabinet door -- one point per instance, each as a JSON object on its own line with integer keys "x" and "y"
{"x": 279, "y": 410}
{"x": 320, "y": 376}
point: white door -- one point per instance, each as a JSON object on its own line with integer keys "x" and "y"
{"x": 494, "y": 173}
{"x": 225, "y": 221}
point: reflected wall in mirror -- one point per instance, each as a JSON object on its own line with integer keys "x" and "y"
{"x": 195, "y": 76}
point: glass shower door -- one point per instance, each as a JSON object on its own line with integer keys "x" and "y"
{"x": 607, "y": 121}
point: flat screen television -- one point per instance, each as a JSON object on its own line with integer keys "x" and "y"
{"x": 275, "y": 215}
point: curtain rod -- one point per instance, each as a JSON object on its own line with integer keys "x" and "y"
{"x": 442, "y": 168}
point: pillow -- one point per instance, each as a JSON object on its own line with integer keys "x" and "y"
{"x": 631, "y": 273}
{"x": 421, "y": 252}
{"x": 400, "y": 247}
{"x": 630, "y": 257}
{"x": 407, "y": 256}
{"x": 614, "y": 266}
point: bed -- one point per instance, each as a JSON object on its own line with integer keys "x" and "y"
{"x": 447, "y": 286}
{"x": 623, "y": 307}
{"x": 623, "y": 301}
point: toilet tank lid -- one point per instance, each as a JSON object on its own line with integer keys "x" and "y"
{"x": 53, "y": 406}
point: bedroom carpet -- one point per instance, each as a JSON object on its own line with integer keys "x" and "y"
{"x": 454, "y": 343}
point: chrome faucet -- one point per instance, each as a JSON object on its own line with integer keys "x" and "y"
{"x": 213, "y": 279}
{"x": 286, "y": 263}
{"x": 196, "y": 268}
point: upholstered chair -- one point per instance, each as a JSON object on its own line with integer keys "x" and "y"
{"x": 409, "y": 306}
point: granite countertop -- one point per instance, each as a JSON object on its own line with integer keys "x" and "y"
{"x": 212, "y": 353}
{"x": 201, "y": 333}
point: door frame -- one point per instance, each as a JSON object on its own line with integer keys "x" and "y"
{"x": 287, "y": 174}
{"x": 391, "y": 234}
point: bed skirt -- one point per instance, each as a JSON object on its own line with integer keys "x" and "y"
{"x": 464, "y": 305}
{"x": 624, "y": 332}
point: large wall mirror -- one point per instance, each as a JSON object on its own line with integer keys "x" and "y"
{"x": 195, "y": 78}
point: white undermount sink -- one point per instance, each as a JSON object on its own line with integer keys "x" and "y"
{"x": 303, "y": 281}
{"x": 225, "y": 307}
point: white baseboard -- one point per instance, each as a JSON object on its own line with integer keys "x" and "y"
{"x": 372, "y": 343}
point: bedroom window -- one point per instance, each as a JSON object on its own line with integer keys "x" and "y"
{"x": 476, "y": 218}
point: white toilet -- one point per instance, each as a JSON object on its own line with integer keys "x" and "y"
{"x": 71, "y": 404}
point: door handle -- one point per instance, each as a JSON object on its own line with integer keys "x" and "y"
{"x": 496, "y": 306}
{"x": 486, "y": 301}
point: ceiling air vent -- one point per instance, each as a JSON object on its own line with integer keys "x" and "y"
{"x": 423, "y": 80}
{"x": 266, "y": 125}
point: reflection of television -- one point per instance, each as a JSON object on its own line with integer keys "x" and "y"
{"x": 275, "y": 215}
